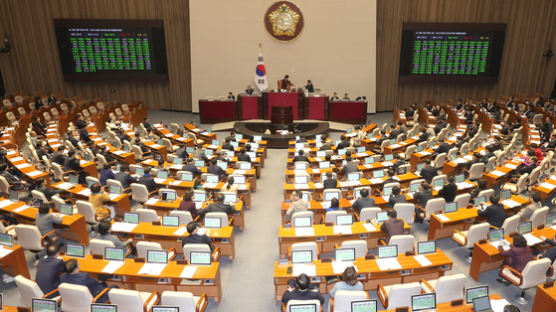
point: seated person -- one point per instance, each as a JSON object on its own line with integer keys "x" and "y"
{"x": 227, "y": 145}
{"x": 391, "y": 174}
{"x": 190, "y": 166}
{"x": 536, "y": 203}
{"x": 396, "y": 197}
{"x": 301, "y": 156}
{"x": 215, "y": 169}
{"x": 449, "y": 191}
{"x": 422, "y": 197}
{"x": 45, "y": 221}
{"x": 148, "y": 181}
{"x": 529, "y": 167}
{"x": 364, "y": 201}
{"x": 334, "y": 205}
{"x": 349, "y": 167}
{"x": 103, "y": 233}
{"x": 97, "y": 199}
{"x": 49, "y": 269}
{"x": 16, "y": 184}
{"x": 218, "y": 206}
{"x": 298, "y": 204}
{"x": 74, "y": 276}
{"x": 482, "y": 185}
{"x": 343, "y": 144}
{"x": 229, "y": 186}
{"x": 124, "y": 177}
{"x": 518, "y": 255}
{"x": 494, "y": 213}
{"x": 348, "y": 282}
{"x": 330, "y": 181}
{"x": 300, "y": 290}
{"x": 105, "y": 174}
{"x": 428, "y": 172}
{"x": 40, "y": 185}
{"x": 243, "y": 156}
{"x": 392, "y": 226}
{"x": 194, "y": 238}
{"x": 187, "y": 204}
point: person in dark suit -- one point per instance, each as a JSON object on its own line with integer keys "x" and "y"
{"x": 231, "y": 96}
{"x": 181, "y": 152}
{"x": 300, "y": 289}
{"x": 124, "y": 177}
{"x": 243, "y": 155}
{"x": 187, "y": 204}
{"x": 391, "y": 174}
{"x": 40, "y": 185}
{"x": 364, "y": 201}
{"x": 228, "y": 145}
{"x": 147, "y": 124}
{"x": 330, "y": 181}
{"x": 444, "y": 147}
{"x": 422, "y": 197}
{"x": 58, "y": 156}
{"x": 309, "y": 87}
{"x": 249, "y": 90}
{"x": 71, "y": 162}
{"x": 529, "y": 168}
{"x": 84, "y": 135}
{"x": 190, "y": 166}
{"x": 482, "y": 185}
{"x": 392, "y": 226}
{"x": 349, "y": 167}
{"x": 494, "y": 213}
{"x": 74, "y": 276}
{"x": 195, "y": 238}
{"x": 38, "y": 103}
{"x": 80, "y": 123}
{"x": 449, "y": 191}
{"x": 148, "y": 181}
{"x": 215, "y": 169}
{"x": 49, "y": 270}
{"x": 393, "y": 132}
{"x": 218, "y": 206}
{"x": 301, "y": 156}
{"x": 396, "y": 197}
{"x": 343, "y": 144}
{"x": 428, "y": 172}
{"x": 285, "y": 84}
{"x": 105, "y": 174}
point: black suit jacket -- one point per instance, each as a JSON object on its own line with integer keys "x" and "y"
{"x": 48, "y": 273}
{"x": 495, "y": 214}
{"x": 58, "y": 158}
{"x": 300, "y": 158}
{"x": 428, "y": 173}
{"x": 330, "y": 183}
{"x": 197, "y": 239}
{"x": 443, "y": 148}
{"x": 449, "y": 192}
{"x": 192, "y": 168}
{"x": 125, "y": 178}
{"x": 214, "y": 169}
{"x": 148, "y": 181}
{"x": 244, "y": 157}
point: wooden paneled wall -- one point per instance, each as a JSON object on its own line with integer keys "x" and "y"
{"x": 530, "y": 31}
{"x": 34, "y": 63}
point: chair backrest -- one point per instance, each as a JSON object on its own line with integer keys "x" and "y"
{"x": 222, "y": 215}
{"x": 302, "y": 214}
{"x": 113, "y": 182}
{"x": 486, "y": 193}
{"x": 188, "y": 248}
{"x": 510, "y": 224}
{"x": 405, "y": 211}
{"x": 439, "y": 160}
{"x": 400, "y": 295}
{"x": 539, "y": 216}
{"x": 296, "y": 302}
{"x": 97, "y": 246}
{"x": 477, "y": 232}
{"x": 136, "y": 150}
{"x": 361, "y": 248}
{"x": 521, "y": 184}
{"x": 183, "y": 216}
{"x": 434, "y": 205}
{"x": 368, "y": 213}
{"x": 143, "y": 246}
{"x": 4, "y": 185}
{"x": 476, "y": 171}
{"x": 405, "y": 242}
{"x": 125, "y": 299}
{"x": 312, "y": 246}
{"x": 181, "y": 299}
{"x": 463, "y": 200}
{"x": 75, "y": 297}
{"x": 39, "y": 195}
{"x": 58, "y": 171}
{"x": 330, "y": 216}
{"x": 28, "y": 289}
{"x": 57, "y": 201}
{"x": 410, "y": 150}
{"x": 450, "y": 287}
{"x": 147, "y": 215}
{"x": 28, "y": 236}
{"x": 534, "y": 273}
{"x": 139, "y": 192}
{"x": 343, "y": 299}
{"x": 534, "y": 176}
{"x": 86, "y": 209}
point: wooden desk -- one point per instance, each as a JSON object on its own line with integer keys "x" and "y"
{"x": 545, "y": 299}
{"x": 79, "y": 192}
{"x": 494, "y": 180}
{"x": 369, "y": 272}
{"x": 546, "y": 188}
{"x": 209, "y": 276}
{"x": 172, "y": 136}
{"x": 14, "y": 263}
{"x": 28, "y": 170}
{"x": 447, "y": 307}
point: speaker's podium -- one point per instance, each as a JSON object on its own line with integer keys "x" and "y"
{"x": 293, "y": 100}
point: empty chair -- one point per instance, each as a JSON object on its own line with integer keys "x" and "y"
{"x": 312, "y": 246}
{"x": 144, "y": 246}
{"x": 519, "y": 187}
{"x": 447, "y": 288}
{"x": 399, "y": 295}
{"x": 433, "y": 205}
{"x": 184, "y": 217}
{"x": 133, "y": 300}
{"x": 188, "y": 248}
{"x": 510, "y": 224}
{"x": 185, "y": 301}
{"x": 407, "y": 154}
{"x": 139, "y": 192}
{"x": 97, "y": 246}
{"x": 224, "y": 220}
{"x": 468, "y": 238}
{"x": 28, "y": 289}
{"x": 330, "y": 216}
{"x": 405, "y": 211}
{"x": 532, "y": 275}
{"x": 40, "y": 196}
{"x": 476, "y": 171}
{"x": 360, "y": 246}
{"x": 539, "y": 217}
{"x": 77, "y": 298}
{"x": 462, "y": 200}
{"x": 4, "y": 185}
{"x": 147, "y": 215}
{"x": 30, "y": 238}
{"x": 405, "y": 242}
{"x": 368, "y": 213}
{"x": 440, "y": 160}
{"x": 302, "y": 214}
{"x": 343, "y": 298}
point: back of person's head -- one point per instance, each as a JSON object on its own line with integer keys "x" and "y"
{"x": 451, "y": 179}
{"x": 124, "y": 168}
{"x": 349, "y": 276}
{"x": 39, "y": 181}
{"x": 188, "y": 195}
{"x": 52, "y": 250}
{"x": 334, "y": 202}
{"x": 189, "y": 160}
{"x": 106, "y": 166}
{"x": 95, "y": 188}
{"x": 482, "y": 184}
{"x": 536, "y": 197}
{"x": 494, "y": 199}
{"x": 298, "y": 194}
{"x": 70, "y": 265}
{"x": 519, "y": 241}
{"x": 328, "y": 175}
{"x": 191, "y": 227}
{"x": 428, "y": 162}
{"x": 220, "y": 198}
{"x": 303, "y": 281}
{"x": 392, "y": 213}
{"x": 364, "y": 193}
{"x": 213, "y": 162}
{"x": 300, "y": 152}
{"x": 511, "y": 308}
{"x": 44, "y": 208}
{"x": 103, "y": 227}
{"x": 348, "y": 158}
{"x": 230, "y": 182}
{"x": 391, "y": 172}
{"x": 3, "y": 167}
{"x": 248, "y": 147}
{"x": 396, "y": 190}
{"x": 227, "y": 140}
{"x": 425, "y": 186}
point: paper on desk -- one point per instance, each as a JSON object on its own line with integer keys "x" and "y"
{"x": 369, "y": 227}
{"x": 159, "y": 180}
{"x": 343, "y": 184}
{"x": 388, "y": 264}
{"x": 16, "y": 159}
{"x": 176, "y": 166}
{"x": 240, "y": 171}
{"x": 386, "y": 198}
{"x": 325, "y": 204}
{"x": 318, "y": 185}
{"x": 152, "y": 268}
{"x": 112, "y": 266}
{"x": 460, "y": 160}
{"x": 308, "y": 269}
{"x": 123, "y": 227}
{"x": 188, "y": 271}
{"x": 532, "y": 239}
{"x": 510, "y": 166}
{"x": 442, "y": 217}
{"x": 340, "y": 266}
{"x": 510, "y": 203}
{"x": 368, "y": 166}
{"x": 300, "y": 186}
{"x": 119, "y": 152}
{"x": 169, "y": 134}
{"x": 423, "y": 261}
{"x": 549, "y": 186}
{"x": 176, "y": 182}
{"x": 342, "y": 229}
{"x": 155, "y": 145}
{"x": 362, "y": 154}
{"x": 21, "y": 166}
{"x": 34, "y": 173}
{"x": 304, "y": 231}
{"x": 495, "y": 244}
{"x": 10, "y": 153}
{"x": 376, "y": 180}
{"x": 210, "y": 185}
{"x": 315, "y": 170}
{"x": 5, "y": 203}
{"x": 395, "y": 145}
{"x": 113, "y": 196}
{"x": 425, "y": 153}
{"x": 85, "y": 192}
{"x": 387, "y": 163}
{"x": 497, "y": 305}
{"x": 4, "y": 251}
{"x": 182, "y": 231}
{"x": 64, "y": 185}
{"x": 464, "y": 185}
{"x": 497, "y": 173}
{"x": 21, "y": 209}
{"x": 151, "y": 201}
{"x": 202, "y": 231}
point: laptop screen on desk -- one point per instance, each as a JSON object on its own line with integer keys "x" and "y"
{"x": 460, "y": 178}
{"x": 344, "y": 254}
{"x": 496, "y": 235}
{"x": 420, "y": 167}
{"x": 96, "y": 307}
{"x": 438, "y": 182}
{"x": 353, "y": 176}
{"x": 450, "y": 207}
{"x": 324, "y": 165}
{"x": 44, "y": 305}
{"x": 424, "y": 248}
{"x": 114, "y": 189}
{"x": 369, "y": 160}
{"x": 169, "y": 196}
{"x": 222, "y": 164}
{"x": 90, "y": 183}
{"x": 481, "y": 304}
{"x": 423, "y": 302}
{"x": 212, "y": 223}
{"x": 475, "y": 292}
{"x": 505, "y": 194}
{"x": 301, "y": 179}
{"x": 239, "y": 179}
{"x": 257, "y": 138}
{"x": 216, "y": 142}
{"x": 414, "y": 187}
{"x": 199, "y": 163}
{"x": 302, "y": 222}
{"x": 378, "y": 174}
{"x": 212, "y": 178}
{"x": 199, "y": 197}
{"x": 199, "y": 257}
{"x": 14, "y": 196}
{"x": 550, "y": 219}
{"x": 321, "y": 153}
{"x": 66, "y": 209}
{"x": 114, "y": 253}
{"x": 300, "y": 165}
{"x": 75, "y": 250}
{"x": 209, "y": 152}
{"x": 73, "y": 179}
{"x": 302, "y": 256}
{"x": 140, "y": 171}
{"x": 388, "y": 157}
{"x": 344, "y": 220}
{"x": 6, "y": 240}
{"x": 245, "y": 165}
{"x": 186, "y": 176}
{"x": 309, "y": 307}
{"x": 381, "y": 216}
{"x": 525, "y": 227}
{"x": 177, "y": 161}
{"x": 230, "y": 199}
{"x": 130, "y": 217}
{"x": 387, "y": 191}
{"x": 157, "y": 256}
{"x": 361, "y": 149}
{"x": 364, "y": 306}
{"x": 479, "y": 200}
{"x": 389, "y": 251}
{"x": 170, "y": 221}
{"x": 328, "y": 196}
{"x": 162, "y": 174}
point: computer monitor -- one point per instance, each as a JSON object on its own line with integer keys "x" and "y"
{"x": 98, "y": 307}
{"x": 165, "y": 309}
{"x": 438, "y": 182}
{"x": 170, "y": 221}
{"x": 525, "y": 227}
{"x": 73, "y": 179}
{"x": 222, "y": 164}
{"x": 419, "y": 167}
{"x": 140, "y": 171}
{"x": 342, "y": 152}
{"x": 453, "y": 156}
{"x": 159, "y": 142}
{"x": 306, "y": 196}
{"x": 6, "y": 240}
{"x": 199, "y": 197}
{"x": 328, "y": 196}
{"x": 321, "y": 153}
{"x": 344, "y": 254}
{"x": 305, "y": 307}
{"x": 186, "y": 176}
{"x": 344, "y": 220}
{"x": 75, "y": 250}
{"x": 177, "y": 161}
{"x": 389, "y": 251}
{"x": 244, "y": 165}
{"x": 211, "y": 178}
{"x": 14, "y": 196}
{"x": 301, "y": 179}
{"x": 209, "y": 152}
{"x": 302, "y": 222}
{"x": 115, "y": 189}
{"x": 369, "y": 160}
{"x": 475, "y": 292}
{"x": 252, "y": 155}
{"x": 131, "y": 217}
{"x": 90, "y": 183}
{"x": 423, "y": 302}
{"x": 169, "y": 196}
{"x": 388, "y": 157}
{"x": 505, "y": 194}
{"x": 231, "y": 153}
{"x": 427, "y": 247}
{"x": 324, "y": 165}
{"x": 199, "y": 163}
{"x": 299, "y": 146}
{"x": 414, "y": 187}
{"x": 401, "y": 170}
{"x": 230, "y": 198}
{"x": 87, "y": 157}
{"x": 364, "y": 306}
{"x": 496, "y": 235}
{"x": 361, "y": 149}
{"x": 126, "y": 148}
{"x": 378, "y": 174}
{"x": 450, "y": 207}
{"x": 239, "y": 136}
{"x": 257, "y": 138}
{"x": 481, "y": 304}
{"x": 302, "y": 256}
{"x": 189, "y": 149}
{"x": 199, "y": 257}
{"x": 381, "y": 216}
{"x": 300, "y": 165}
{"x": 239, "y": 179}
{"x": 387, "y": 191}
{"x": 66, "y": 209}
{"x": 459, "y": 178}
{"x": 157, "y": 256}
{"x": 353, "y": 176}
{"x": 212, "y": 223}
{"x": 114, "y": 253}
{"x": 36, "y": 202}
{"x": 479, "y": 200}
{"x": 216, "y": 142}
{"x": 550, "y": 219}
{"x": 420, "y": 148}
{"x": 44, "y": 305}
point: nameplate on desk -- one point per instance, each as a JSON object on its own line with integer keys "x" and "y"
{"x": 442, "y": 218}
{"x": 152, "y": 268}
{"x": 304, "y": 231}
{"x": 21, "y": 209}
{"x": 423, "y": 260}
{"x": 342, "y": 229}
{"x": 4, "y": 251}
{"x": 308, "y": 269}
{"x": 340, "y": 266}
{"x": 510, "y": 203}
{"x": 5, "y": 203}
{"x": 112, "y": 266}
{"x": 151, "y": 201}
{"x": 123, "y": 227}
{"x": 188, "y": 271}
{"x": 388, "y": 264}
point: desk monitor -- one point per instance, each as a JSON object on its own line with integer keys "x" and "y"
{"x": 525, "y": 227}
{"x": 230, "y": 198}
{"x": 328, "y": 196}
{"x": 199, "y": 197}
{"x": 401, "y": 170}
{"x": 257, "y": 138}
{"x": 239, "y": 136}
{"x": 364, "y": 306}
{"x": 252, "y": 155}
{"x": 230, "y": 153}
{"x": 73, "y": 179}
{"x": 378, "y": 174}
{"x": 302, "y": 256}
{"x": 169, "y": 196}
{"x": 321, "y": 153}
{"x": 212, "y": 223}
{"x": 165, "y": 309}
{"x": 131, "y": 217}
{"x": 337, "y": 142}
{"x": 431, "y": 144}
{"x": 438, "y": 182}
{"x": 361, "y": 149}
{"x": 420, "y": 148}
{"x": 6, "y": 240}
{"x": 222, "y": 164}
{"x": 170, "y": 221}
{"x": 302, "y": 222}
{"x": 212, "y": 178}
{"x": 419, "y": 167}
{"x": 126, "y": 148}
{"x": 114, "y": 253}
{"x": 460, "y": 178}
{"x": 90, "y": 183}
{"x": 239, "y": 179}
{"x": 66, "y": 209}
{"x": 162, "y": 174}
{"x": 344, "y": 254}
{"x": 324, "y": 165}
{"x": 299, "y": 146}
{"x": 159, "y": 142}
{"x": 479, "y": 200}
{"x": 75, "y": 250}
{"x": 215, "y": 142}
{"x": 475, "y": 292}
{"x": 349, "y": 130}
{"x": 300, "y": 165}
{"x": 392, "y": 141}
{"x": 36, "y": 202}
{"x": 209, "y": 152}
{"x": 423, "y": 302}
{"x": 199, "y": 163}
{"x": 157, "y": 256}
{"x": 453, "y": 156}
{"x": 115, "y": 189}
{"x": 245, "y": 165}
{"x": 44, "y": 305}
{"x": 369, "y": 160}
{"x": 301, "y": 179}
{"x": 14, "y": 196}
{"x": 387, "y": 191}
{"x": 389, "y": 251}
{"x": 357, "y": 194}
{"x": 306, "y": 196}
{"x": 381, "y": 216}
{"x": 189, "y": 149}
{"x": 388, "y": 157}
{"x": 505, "y": 194}
{"x": 450, "y": 207}
{"x": 186, "y": 176}
{"x": 342, "y": 152}
{"x": 344, "y": 220}
{"x": 318, "y": 137}
{"x": 550, "y": 219}
{"x": 414, "y": 187}
{"x": 140, "y": 171}
{"x": 305, "y": 307}
{"x": 481, "y": 304}
{"x": 199, "y": 257}
{"x": 427, "y": 247}
{"x": 496, "y": 235}
{"x": 353, "y": 176}
{"x": 177, "y": 161}
{"x": 97, "y": 307}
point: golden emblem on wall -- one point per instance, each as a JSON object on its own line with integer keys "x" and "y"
{"x": 284, "y": 20}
